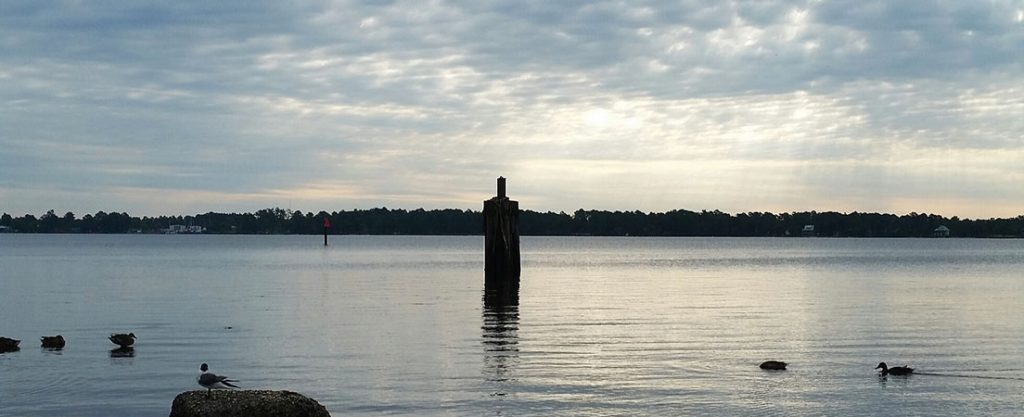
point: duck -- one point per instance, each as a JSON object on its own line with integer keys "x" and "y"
{"x": 52, "y": 342}
{"x": 123, "y": 340}
{"x": 9, "y": 345}
{"x": 773, "y": 365}
{"x": 896, "y": 370}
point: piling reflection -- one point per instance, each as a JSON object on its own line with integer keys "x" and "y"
{"x": 501, "y": 345}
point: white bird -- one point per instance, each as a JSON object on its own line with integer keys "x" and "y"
{"x": 212, "y": 381}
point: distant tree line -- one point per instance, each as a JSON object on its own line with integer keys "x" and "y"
{"x": 384, "y": 221}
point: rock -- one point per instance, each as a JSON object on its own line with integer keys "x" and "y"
{"x": 257, "y": 403}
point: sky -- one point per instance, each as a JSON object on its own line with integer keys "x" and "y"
{"x": 183, "y": 107}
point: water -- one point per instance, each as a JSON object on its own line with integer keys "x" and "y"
{"x": 606, "y": 326}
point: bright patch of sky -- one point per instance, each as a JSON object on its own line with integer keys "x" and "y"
{"x": 157, "y": 107}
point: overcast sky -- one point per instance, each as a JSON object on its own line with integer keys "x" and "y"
{"x": 174, "y": 107}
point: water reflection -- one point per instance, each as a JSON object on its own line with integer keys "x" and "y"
{"x": 501, "y": 346}
{"x": 898, "y": 381}
{"x": 123, "y": 352}
{"x": 52, "y": 351}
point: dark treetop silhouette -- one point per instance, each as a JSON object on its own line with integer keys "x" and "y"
{"x": 384, "y": 221}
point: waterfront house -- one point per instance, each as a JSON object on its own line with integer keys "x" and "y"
{"x": 183, "y": 229}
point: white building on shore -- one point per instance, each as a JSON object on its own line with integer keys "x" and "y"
{"x": 176, "y": 229}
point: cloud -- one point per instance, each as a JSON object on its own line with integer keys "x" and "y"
{"x": 345, "y": 103}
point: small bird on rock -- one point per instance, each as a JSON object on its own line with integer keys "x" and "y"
{"x": 212, "y": 381}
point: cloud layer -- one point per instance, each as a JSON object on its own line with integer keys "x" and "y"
{"x": 168, "y": 107}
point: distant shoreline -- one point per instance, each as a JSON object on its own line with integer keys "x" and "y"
{"x": 524, "y": 235}
{"x": 443, "y": 222}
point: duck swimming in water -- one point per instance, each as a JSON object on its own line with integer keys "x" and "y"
{"x": 53, "y": 342}
{"x": 9, "y": 345}
{"x": 123, "y": 340}
{"x": 774, "y": 365}
{"x": 896, "y": 370}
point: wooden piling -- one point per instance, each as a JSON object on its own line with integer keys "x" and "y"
{"x": 501, "y": 249}
{"x": 327, "y": 228}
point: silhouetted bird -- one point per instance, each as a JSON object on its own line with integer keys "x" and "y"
{"x": 212, "y": 381}
{"x": 123, "y": 340}
{"x": 774, "y": 365}
{"x": 53, "y": 342}
{"x": 9, "y": 345}
{"x": 896, "y": 370}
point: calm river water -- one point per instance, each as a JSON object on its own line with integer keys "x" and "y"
{"x": 605, "y": 326}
